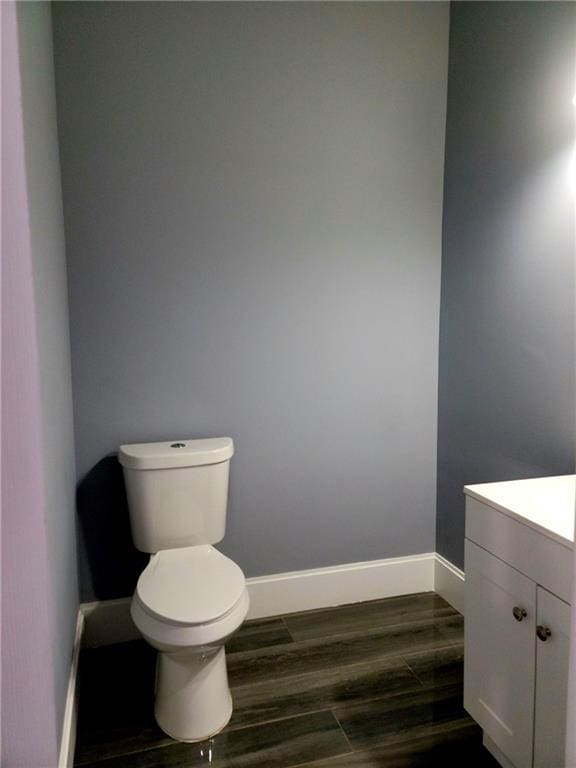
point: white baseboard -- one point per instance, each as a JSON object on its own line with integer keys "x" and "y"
{"x": 68, "y": 738}
{"x": 109, "y": 621}
{"x": 339, "y": 584}
{"x": 449, "y": 582}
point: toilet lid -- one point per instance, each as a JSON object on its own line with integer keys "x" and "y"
{"x": 191, "y": 585}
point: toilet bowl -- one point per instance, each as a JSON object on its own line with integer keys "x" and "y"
{"x": 187, "y": 603}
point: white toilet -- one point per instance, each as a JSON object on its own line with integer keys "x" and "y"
{"x": 190, "y": 598}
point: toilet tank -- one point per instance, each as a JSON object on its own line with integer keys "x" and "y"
{"x": 177, "y": 491}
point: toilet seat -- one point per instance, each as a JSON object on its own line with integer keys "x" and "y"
{"x": 190, "y": 586}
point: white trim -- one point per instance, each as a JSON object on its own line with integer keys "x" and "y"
{"x": 68, "y": 739}
{"x": 449, "y": 582}
{"x": 296, "y": 591}
{"x": 109, "y": 621}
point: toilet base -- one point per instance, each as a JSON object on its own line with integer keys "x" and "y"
{"x": 193, "y": 700}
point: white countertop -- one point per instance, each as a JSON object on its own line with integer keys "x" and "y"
{"x": 546, "y": 504}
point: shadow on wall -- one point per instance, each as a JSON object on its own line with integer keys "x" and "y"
{"x": 112, "y": 561}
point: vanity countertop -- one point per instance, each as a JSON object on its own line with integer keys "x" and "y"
{"x": 546, "y": 504}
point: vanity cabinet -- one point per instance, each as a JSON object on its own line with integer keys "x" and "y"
{"x": 516, "y": 635}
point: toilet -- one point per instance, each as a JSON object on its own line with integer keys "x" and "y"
{"x": 190, "y": 598}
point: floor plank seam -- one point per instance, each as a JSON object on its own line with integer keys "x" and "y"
{"x": 104, "y": 760}
{"x": 413, "y": 672}
{"x": 231, "y": 728}
{"x": 310, "y": 763}
{"x": 287, "y": 628}
{"x": 363, "y": 632}
{"x": 352, "y": 748}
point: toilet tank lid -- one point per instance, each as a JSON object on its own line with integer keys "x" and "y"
{"x": 176, "y": 453}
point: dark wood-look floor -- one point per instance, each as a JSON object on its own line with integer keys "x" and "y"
{"x": 371, "y": 685}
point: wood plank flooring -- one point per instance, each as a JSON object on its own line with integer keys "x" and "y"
{"x": 370, "y": 685}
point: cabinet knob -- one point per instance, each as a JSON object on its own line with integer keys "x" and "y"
{"x": 543, "y": 632}
{"x": 519, "y": 613}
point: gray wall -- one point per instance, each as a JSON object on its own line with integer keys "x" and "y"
{"x": 253, "y": 203}
{"x": 506, "y": 392}
{"x": 52, "y": 319}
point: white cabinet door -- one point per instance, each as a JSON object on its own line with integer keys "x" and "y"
{"x": 499, "y": 657}
{"x": 551, "y": 680}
